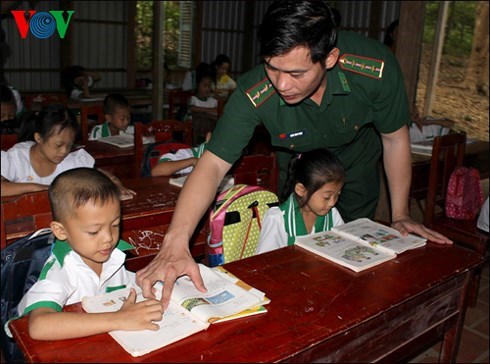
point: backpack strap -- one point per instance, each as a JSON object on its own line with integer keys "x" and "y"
{"x": 228, "y": 198}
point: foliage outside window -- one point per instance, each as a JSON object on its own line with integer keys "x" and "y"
{"x": 144, "y": 34}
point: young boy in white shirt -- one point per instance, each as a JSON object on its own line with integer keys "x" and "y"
{"x": 86, "y": 260}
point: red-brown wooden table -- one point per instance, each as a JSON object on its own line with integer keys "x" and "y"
{"x": 319, "y": 312}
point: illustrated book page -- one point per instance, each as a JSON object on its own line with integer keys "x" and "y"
{"x": 349, "y": 253}
{"x": 379, "y": 236}
{"x": 189, "y": 311}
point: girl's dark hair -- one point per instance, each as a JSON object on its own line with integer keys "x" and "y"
{"x": 220, "y": 59}
{"x": 51, "y": 120}
{"x": 292, "y": 23}
{"x": 313, "y": 169}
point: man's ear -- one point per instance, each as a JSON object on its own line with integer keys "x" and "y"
{"x": 58, "y": 230}
{"x": 332, "y": 58}
{"x": 300, "y": 189}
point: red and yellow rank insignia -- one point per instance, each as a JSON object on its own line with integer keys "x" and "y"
{"x": 364, "y": 66}
{"x": 260, "y": 92}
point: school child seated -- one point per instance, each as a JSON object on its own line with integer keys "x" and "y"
{"x": 86, "y": 260}
{"x": 78, "y": 81}
{"x": 180, "y": 162}
{"x": 224, "y": 83}
{"x": 202, "y": 101}
{"x": 315, "y": 181}
{"x": 44, "y": 152}
{"x": 117, "y": 116}
{"x": 9, "y": 124}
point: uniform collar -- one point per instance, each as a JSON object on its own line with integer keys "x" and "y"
{"x": 337, "y": 84}
{"x": 61, "y": 249}
{"x": 294, "y": 223}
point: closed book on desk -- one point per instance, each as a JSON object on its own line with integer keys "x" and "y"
{"x": 360, "y": 244}
{"x": 189, "y": 311}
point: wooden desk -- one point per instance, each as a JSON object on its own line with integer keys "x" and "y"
{"x": 319, "y": 312}
{"x": 119, "y": 161}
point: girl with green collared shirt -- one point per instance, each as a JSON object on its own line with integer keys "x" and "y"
{"x": 315, "y": 181}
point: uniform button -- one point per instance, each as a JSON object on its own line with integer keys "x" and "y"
{"x": 292, "y": 146}
{"x": 356, "y": 127}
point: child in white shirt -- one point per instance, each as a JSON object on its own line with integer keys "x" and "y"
{"x": 117, "y": 116}
{"x": 180, "y": 162}
{"x": 86, "y": 261}
{"x": 33, "y": 164}
{"x": 315, "y": 181}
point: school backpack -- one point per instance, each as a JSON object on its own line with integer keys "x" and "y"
{"x": 235, "y": 223}
{"x": 155, "y": 150}
{"x": 22, "y": 262}
{"x": 464, "y": 196}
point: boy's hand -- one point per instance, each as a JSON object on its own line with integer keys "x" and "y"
{"x": 140, "y": 316}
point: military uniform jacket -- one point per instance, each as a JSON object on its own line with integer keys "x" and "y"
{"x": 365, "y": 96}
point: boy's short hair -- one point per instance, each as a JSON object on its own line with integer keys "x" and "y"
{"x": 75, "y": 187}
{"x": 112, "y": 101}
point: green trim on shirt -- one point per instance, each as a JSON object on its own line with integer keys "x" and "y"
{"x": 62, "y": 248}
{"x": 115, "y": 288}
{"x": 43, "y": 304}
{"x": 294, "y": 223}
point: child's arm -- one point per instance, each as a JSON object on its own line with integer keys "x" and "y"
{"x": 208, "y": 110}
{"x": 126, "y": 193}
{"x": 168, "y": 168}
{"x": 15, "y": 188}
{"x": 48, "y": 324}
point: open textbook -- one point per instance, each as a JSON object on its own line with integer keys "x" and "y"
{"x": 124, "y": 140}
{"x": 360, "y": 244}
{"x": 189, "y": 311}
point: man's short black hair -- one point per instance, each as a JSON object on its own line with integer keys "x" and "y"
{"x": 288, "y": 24}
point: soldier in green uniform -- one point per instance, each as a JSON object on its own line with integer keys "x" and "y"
{"x": 312, "y": 91}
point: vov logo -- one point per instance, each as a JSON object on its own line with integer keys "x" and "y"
{"x": 42, "y": 24}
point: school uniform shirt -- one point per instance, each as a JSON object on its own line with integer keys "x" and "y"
{"x": 365, "y": 95}
{"x": 208, "y": 102}
{"x": 184, "y": 153}
{"x": 103, "y": 131}
{"x": 283, "y": 224}
{"x": 17, "y": 167}
{"x": 66, "y": 279}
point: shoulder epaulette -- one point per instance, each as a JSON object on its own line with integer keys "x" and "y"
{"x": 260, "y": 92}
{"x": 362, "y": 65}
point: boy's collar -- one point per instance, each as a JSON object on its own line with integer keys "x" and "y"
{"x": 62, "y": 248}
